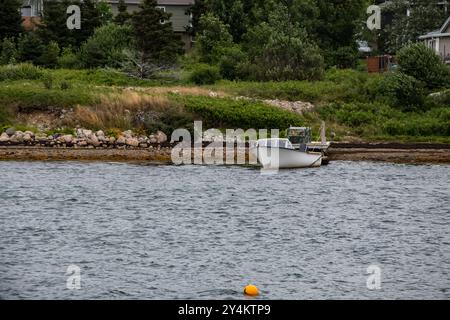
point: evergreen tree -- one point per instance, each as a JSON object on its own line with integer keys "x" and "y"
{"x": 154, "y": 34}
{"x": 49, "y": 57}
{"x": 55, "y": 17}
{"x": 336, "y": 28}
{"x": 233, "y": 14}
{"x": 197, "y": 10}
{"x": 106, "y": 14}
{"x": 280, "y": 49}
{"x": 123, "y": 16}
{"x": 91, "y": 18}
{"x": 30, "y": 47}
{"x": 8, "y": 53}
{"x": 53, "y": 26}
{"x": 10, "y": 18}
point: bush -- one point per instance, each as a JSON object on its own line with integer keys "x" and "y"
{"x": 105, "y": 47}
{"x": 30, "y": 47}
{"x": 23, "y": 71}
{"x": 65, "y": 85}
{"x": 213, "y": 37}
{"x": 36, "y": 97}
{"x": 230, "y": 62}
{"x": 49, "y": 57}
{"x": 343, "y": 57}
{"x": 424, "y": 64}
{"x": 47, "y": 80}
{"x": 8, "y": 53}
{"x": 68, "y": 59}
{"x": 401, "y": 91}
{"x": 205, "y": 74}
{"x": 243, "y": 114}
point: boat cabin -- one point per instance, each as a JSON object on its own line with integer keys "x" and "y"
{"x": 299, "y": 135}
{"x": 275, "y": 143}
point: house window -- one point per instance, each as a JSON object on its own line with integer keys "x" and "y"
{"x": 163, "y": 9}
{"x": 26, "y": 11}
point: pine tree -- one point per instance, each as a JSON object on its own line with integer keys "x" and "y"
{"x": 49, "y": 57}
{"x": 30, "y": 47}
{"x": 10, "y": 19}
{"x": 53, "y": 26}
{"x": 123, "y": 16}
{"x": 91, "y": 18}
{"x": 9, "y": 52}
{"x": 154, "y": 34}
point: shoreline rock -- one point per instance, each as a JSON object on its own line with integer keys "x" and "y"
{"x": 82, "y": 138}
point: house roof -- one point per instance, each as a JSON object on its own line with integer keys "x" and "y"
{"x": 438, "y": 33}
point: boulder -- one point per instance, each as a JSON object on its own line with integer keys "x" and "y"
{"x": 161, "y": 137}
{"x": 10, "y": 131}
{"x": 153, "y": 139}
{"x": 132, "y": 142}
{"x": 121, "y": 140}
{"x": 17, "y": 137}
{"x": 93, "y": 140}
{"x": 41, "y": 137}
{"x": 4, "y": 137}
{"x": 68, "y": 138}
{"x": 127, "y": 134}
{"x": 30, "y": 133}
{"x": 83, "y": 133}
{"x": 27, "y": 137}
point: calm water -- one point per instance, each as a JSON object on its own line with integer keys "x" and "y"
{"x": 157, "y": 232}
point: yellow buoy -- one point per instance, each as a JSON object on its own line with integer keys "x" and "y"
{"x": 251, "y": 290}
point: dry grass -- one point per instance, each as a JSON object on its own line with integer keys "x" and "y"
{"x": 190, "y": 91}
{"x": 118, "y": 110}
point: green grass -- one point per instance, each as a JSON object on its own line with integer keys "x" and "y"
{"x": 31, "y": 96}
{"x": 243, "y": 114}
{"x": 347, "y": 100}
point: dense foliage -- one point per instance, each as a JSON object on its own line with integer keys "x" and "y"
{"x": 10, "y": 18}
{"x": 425, "y": 65}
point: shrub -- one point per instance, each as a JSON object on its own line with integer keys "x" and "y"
{"x": 30, "y": 47}
{"x": 8, "y": 53}
{"x": 105, "y": 47}
{"x": 205, "y": 74}
{"x": 23, "y": 71}
{"x": 281, "y": 50}
{"x": 424, "y": 64}
{"x": 65, "y": 85}
{"x": 213, "y": 37}
{"x": 230, "y": 62}
{"x": 49, "y": 57}
{"x": 68, "y": 59}
{"x": 244, "y": 114}
{"x": 343, "y": 57}
{"x": 401, "y": 91}
{"x": 47, "y": 80}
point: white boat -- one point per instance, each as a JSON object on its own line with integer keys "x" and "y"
{"x": 280, "y": 154}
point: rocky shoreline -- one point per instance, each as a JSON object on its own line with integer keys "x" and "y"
{"x": 87, "y": 145}
{"x": 82, "y": 138}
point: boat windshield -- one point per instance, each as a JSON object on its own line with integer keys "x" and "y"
{"x": 276, "y": 143}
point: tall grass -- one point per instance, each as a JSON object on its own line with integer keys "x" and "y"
{"x": 23, "y": 71}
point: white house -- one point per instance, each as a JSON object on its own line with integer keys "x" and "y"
{"x": 439, "y": 40}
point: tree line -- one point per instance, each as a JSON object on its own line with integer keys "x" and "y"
{"x": 237, "y": 39}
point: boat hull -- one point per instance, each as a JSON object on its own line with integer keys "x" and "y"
{"x": 280, "y": 158}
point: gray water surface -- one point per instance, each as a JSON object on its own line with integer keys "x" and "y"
{"x": 204, "y": 232}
